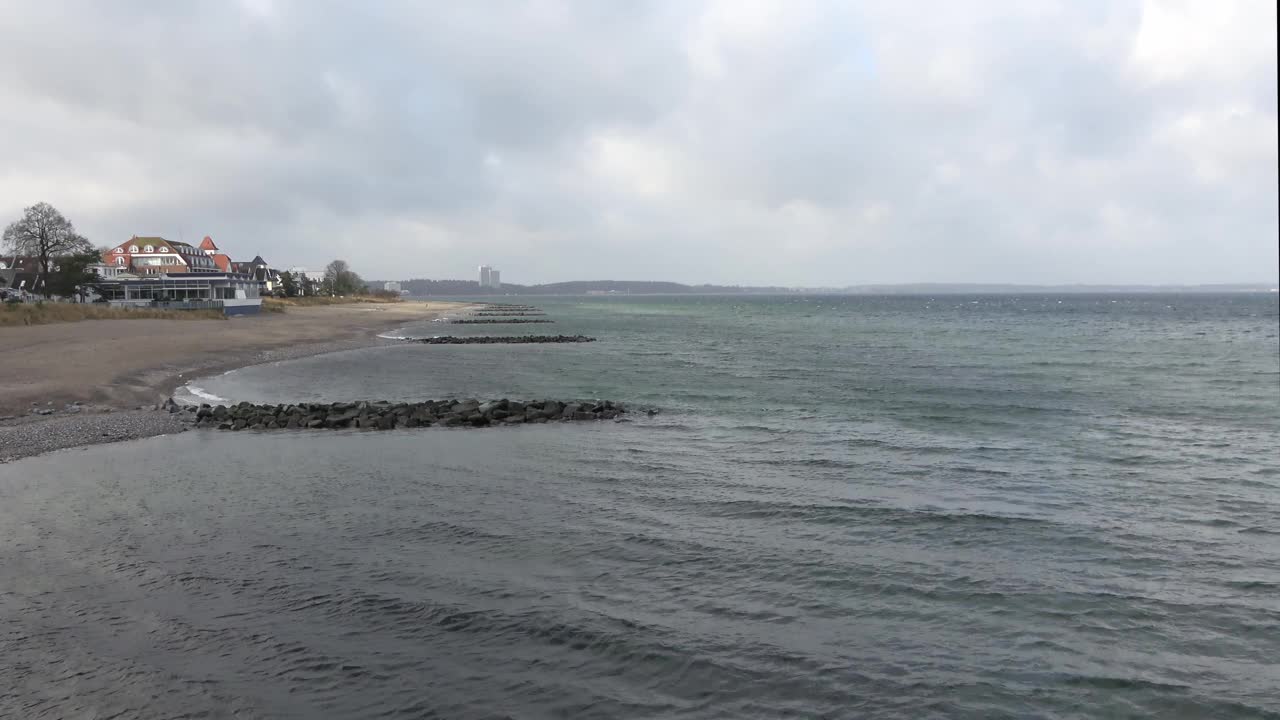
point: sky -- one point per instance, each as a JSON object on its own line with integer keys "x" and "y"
{"x": 796, "y": 142}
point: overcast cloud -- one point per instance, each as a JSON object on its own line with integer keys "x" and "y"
{"x": 789, "y": 142}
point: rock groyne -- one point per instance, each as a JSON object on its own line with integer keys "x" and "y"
{"x": 502, "y": 339}
{"x": 497, "y": 321}
{"x": 383, "y": 415}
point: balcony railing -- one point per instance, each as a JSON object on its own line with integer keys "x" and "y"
{"x": 185, "y": 304}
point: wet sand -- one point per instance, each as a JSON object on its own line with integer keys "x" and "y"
{"x": 79, "y": 372}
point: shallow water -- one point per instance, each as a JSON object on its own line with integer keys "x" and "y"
{"x": 849, "y": 507}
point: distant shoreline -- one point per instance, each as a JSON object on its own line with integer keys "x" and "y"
{"x": 440, "y": 291}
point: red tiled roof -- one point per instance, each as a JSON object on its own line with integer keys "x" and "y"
{"x": 208, "y": 244}
{"x": 222, "y": 261}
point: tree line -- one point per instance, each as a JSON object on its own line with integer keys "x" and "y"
{"x": 65, "y": 259}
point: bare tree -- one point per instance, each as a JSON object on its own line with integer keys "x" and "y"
{"x": 44, "y": 233}
{"x": 339, "y": 279}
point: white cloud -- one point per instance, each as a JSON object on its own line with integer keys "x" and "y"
{"x": 1180, "y": 38}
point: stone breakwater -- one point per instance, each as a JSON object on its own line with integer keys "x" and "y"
{"x": 498, "y": 321}
{"x": 502, "y": 339}
{"x": 508, "y": 314}
{"x": 383, "y": 415}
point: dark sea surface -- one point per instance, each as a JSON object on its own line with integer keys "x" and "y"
{"x": 849, "y": 507}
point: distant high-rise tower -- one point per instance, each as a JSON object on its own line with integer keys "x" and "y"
{"x": 495, "y": 279}
{"x": 485, "y": 275}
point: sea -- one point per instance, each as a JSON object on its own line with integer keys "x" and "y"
{"x": 1039, "y": 506}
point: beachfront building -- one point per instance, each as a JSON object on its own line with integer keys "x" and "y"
{"x": 157, "y": 256}
{"x": 267, "y": 277}
{"x": 220, "y": 259}
{"x": 391, "y": 286}
{"x": 108, "y": 271}
{"x": 232, "y": 293}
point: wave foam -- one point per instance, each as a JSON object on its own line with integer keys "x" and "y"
{"x": 203, "y": 394}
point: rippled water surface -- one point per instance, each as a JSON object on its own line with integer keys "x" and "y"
{"x": 1048, "y": 507}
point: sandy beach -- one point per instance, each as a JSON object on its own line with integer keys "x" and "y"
{"x": 93, "y": 376}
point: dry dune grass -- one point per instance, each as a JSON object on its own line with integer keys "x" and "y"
{"x": 46, "y": 313}
{"x": 316, "y": 300}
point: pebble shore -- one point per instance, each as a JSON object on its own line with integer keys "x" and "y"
{"x": 87, "y": 427}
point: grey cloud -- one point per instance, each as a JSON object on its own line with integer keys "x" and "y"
{"x": 761, "y": 142}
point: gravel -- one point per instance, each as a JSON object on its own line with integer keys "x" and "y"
{"x": 35, "y": 435}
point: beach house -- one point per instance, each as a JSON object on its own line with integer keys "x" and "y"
{"x": 258, "y": 269}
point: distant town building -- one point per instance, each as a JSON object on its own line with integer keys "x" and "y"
{"x": 391, "y": 286}
{"x": 490, "y": 277}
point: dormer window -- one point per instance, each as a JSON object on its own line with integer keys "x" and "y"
{"x": 164, "y": 249}
{"x": 133, "y": 248}
{"x": 149, "y": 248}
{"x": 119, "y": 251}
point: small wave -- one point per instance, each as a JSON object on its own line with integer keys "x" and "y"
{"x": 821, "y": 513}
{"x": 203, "y": 394}
{"x": 1213, "y": 522}
{"x": 1119, "y": 683}
{"x": 1264, "y": 585}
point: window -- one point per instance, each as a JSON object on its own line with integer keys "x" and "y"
{"x": 119, "y": 261}
{"x": 149, "y": 248}
{"x": 164, "y": 249}
{"x": 119, "y": 250}
{"x": 133, "y": 248}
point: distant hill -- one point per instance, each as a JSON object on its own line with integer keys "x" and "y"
{"x": 436, "y": 288}
{"x": 1009, "y": 289}
{"x": 423, "y": 287}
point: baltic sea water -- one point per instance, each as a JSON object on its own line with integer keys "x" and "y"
{"x": 973, "y": 507}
